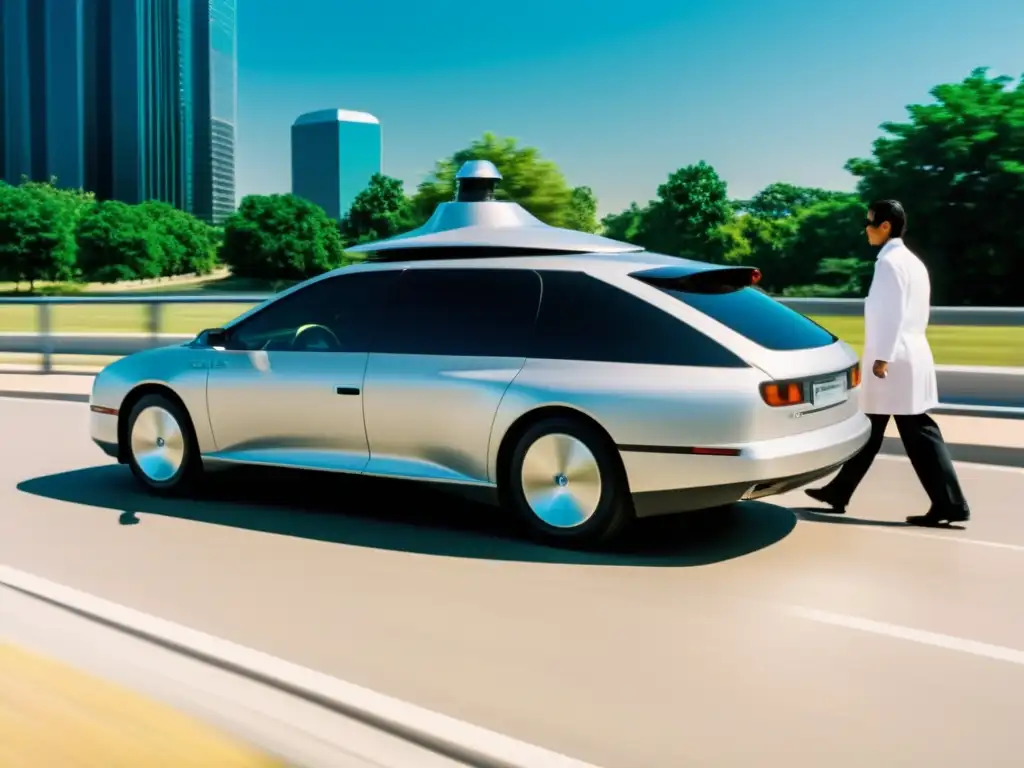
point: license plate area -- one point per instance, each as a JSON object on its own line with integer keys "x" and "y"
{"x": 830, "y": 391}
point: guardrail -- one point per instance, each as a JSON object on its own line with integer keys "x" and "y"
{"x": 47, "y": 343}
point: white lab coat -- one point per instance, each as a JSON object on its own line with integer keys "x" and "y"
{"x": 895, "y": 319}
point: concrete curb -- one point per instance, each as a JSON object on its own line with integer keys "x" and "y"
{"x": 461, "y": 741}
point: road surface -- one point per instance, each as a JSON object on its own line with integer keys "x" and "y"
{"x": 761, "y": 635}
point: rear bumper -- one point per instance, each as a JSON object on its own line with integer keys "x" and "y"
{"x": 662, "y": 483}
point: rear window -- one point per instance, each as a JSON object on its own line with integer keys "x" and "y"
{"x": 759, "y": 317}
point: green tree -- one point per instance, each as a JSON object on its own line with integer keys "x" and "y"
{"x": 582, "y": 212}
{"x": 380, "y": 211}
{"x": 36, "y": 234}
{"x": 783, "y": 199}
{"x": 957, "y": 164}
{"x": 281, "y": 237}
{"x": 118, "y": 242}
{"x": 527, "y": 178}
{"x": 691, "y": 205}
{"x": 759, "y": 242}
{"x": 187, "y": 245}
{"x": 625, "y": 226}
{"x": 829, "y": 243}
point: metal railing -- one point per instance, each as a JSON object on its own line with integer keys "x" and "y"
{"x": 46, "y": 342}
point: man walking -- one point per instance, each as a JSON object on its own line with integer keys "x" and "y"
{"x": 902, "y": 380}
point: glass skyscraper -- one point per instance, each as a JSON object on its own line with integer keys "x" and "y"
{"x": 42, "y": 109}
{"x": 131, "y": 99}
{"x": 214, "y": 106}
{"x": 334, "y": 154}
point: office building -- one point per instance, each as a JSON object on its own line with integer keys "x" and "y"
{"x": 213, "y": 106}
{"x": 131, "y": 99}
{"x": 334, "y": 155}
{"x": 42, "y": 108}
{"x": 133, "y": 92}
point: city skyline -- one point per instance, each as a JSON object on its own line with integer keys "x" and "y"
{"x": 130, "y": 99}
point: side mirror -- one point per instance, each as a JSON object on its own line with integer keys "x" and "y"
{"x": 214, "y": 337}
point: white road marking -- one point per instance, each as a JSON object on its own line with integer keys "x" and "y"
{"x": 478, "y": 744}
{"x": 954, "y": 538}
{"x": 949, "y": 642}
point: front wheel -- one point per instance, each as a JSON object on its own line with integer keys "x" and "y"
{"x": 566, "y": 483}
{"x": 162, "y": 450}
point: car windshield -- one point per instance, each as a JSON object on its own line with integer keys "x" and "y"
{"x": 758, "y": 317}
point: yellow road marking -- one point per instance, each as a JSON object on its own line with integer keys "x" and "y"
{"x": 52, "y": 716}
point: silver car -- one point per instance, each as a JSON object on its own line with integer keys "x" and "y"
{"x": 578, "y": 381}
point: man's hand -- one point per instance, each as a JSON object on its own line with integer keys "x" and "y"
{"x": 880, "y": 369}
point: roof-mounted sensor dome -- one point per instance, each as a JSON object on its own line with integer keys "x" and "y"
{"x": 475, "y": 219}
{"x": 476, "y": 181}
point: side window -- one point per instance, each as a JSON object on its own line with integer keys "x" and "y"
{"x": 332, "y": 315}
{"x": 466, "y": 312}
{"x": 583, "y": 318}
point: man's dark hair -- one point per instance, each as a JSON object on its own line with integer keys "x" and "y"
{"x": 891, "y": 211}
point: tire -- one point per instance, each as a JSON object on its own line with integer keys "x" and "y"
{"x": 597, "y": 510}
{"x": 161, "y": 447}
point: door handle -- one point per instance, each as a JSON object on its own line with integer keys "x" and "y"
{"x": 347, "y": 390}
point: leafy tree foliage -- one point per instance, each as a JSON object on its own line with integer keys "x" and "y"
{"x": 118, "y": 242}
{"x": 582, "y": 212}
{"x": 691, "y": 205}
{"x": 37, "y": 233}
{"x": 380, "y": 211}
{"x": 187, "y": 245}
{"x": 958, "y": 166}
{"x": 281, "y": 237}
{"x": 782, "y": 199}
{"x": 683, "y": 220}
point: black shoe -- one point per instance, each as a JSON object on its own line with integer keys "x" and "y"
{"x": 836, "y": 506}
{"x": 937, "y": 519}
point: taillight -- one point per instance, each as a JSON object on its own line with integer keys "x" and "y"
{"x": 853, "y": 376}
{"x": 779, "y": 394}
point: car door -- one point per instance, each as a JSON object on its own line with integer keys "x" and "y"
{"x": 288, "y": 388}
{"x": 453, "y": 340}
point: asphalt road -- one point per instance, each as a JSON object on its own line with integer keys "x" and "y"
{"x": 760, "y": 635}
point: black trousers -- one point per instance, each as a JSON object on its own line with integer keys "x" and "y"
{"x": 927, "y": 452}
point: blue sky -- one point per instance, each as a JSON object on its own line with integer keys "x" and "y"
{"x": 619, "y": 94}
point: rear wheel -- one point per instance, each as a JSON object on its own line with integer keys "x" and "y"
{"x": 161, "y": 445}
{"x": 566, "y": 484}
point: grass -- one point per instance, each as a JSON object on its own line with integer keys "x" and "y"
{"x": 952, "y": 345}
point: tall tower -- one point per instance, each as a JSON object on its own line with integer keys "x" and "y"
{"x": 42, "y": 77}
{"x": 214, "y": 107}
{"x": 134, "y": 95}
{"x": 335, "y": 153}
